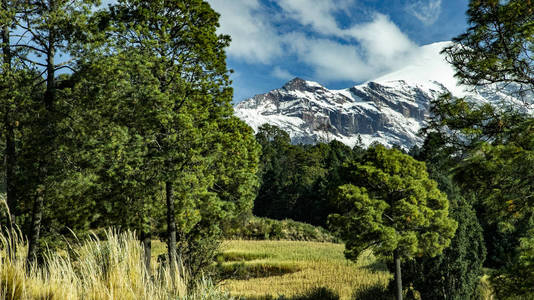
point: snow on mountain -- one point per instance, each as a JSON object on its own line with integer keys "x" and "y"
{"x": 427, "y": 68}
{"x": 390, "y": 109}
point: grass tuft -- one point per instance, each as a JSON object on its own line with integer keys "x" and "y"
{"x": 111, "y": 268}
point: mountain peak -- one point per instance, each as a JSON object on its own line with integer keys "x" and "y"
{"x": 390, "y": 109}
{"x": 300, "y": 84}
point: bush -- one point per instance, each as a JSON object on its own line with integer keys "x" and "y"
{"x": 268, "y": 229}
{"x": 372, "y": 292}
{"x": 320, "y": 293}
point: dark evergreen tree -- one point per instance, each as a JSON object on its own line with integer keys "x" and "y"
{"x": 315, "y": 206}
{"x": 492, "y": 145}
{"x": 274, "y": 199}
{"x": 454, "y": 274}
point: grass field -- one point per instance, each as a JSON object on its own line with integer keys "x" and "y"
{"x": 273, "y": 268}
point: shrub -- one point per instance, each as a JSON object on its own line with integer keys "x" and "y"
{"x": 320, "y": 293}
{"x": 373, "y": 292}
{"x": 268, "y": 229}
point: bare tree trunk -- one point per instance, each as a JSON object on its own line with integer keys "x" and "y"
{"x": 10, "y": 151}
{"x": 37, "y": 216}
{"x": 171, "y": 227}
{"x": 398, "y": 275}
{"x": 146, "y": 235}
{"x": 146, "y": 239}
{"x": 44, "y": 169}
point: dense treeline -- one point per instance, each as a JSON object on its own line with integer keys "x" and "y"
{"x": 329, "y": 172}
{"x": 297, "y": 180}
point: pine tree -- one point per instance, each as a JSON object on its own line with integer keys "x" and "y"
{"x": 496, "y": 47}
{"x": 454, "y": 274}
{"x": 44, "y": 29}
{"x": 392, "y": 207}
{"x": 494, "y": 143}
{"x": 186, "y": 116}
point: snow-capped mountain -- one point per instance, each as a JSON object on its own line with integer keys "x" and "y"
{"x": 390, "y": 109}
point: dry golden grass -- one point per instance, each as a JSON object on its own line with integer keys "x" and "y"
{"x": 485, "y": 289}
{"x": 315, "y": 265}
{"x": 95, "y": 269}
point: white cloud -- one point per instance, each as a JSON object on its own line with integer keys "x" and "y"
{"x": 329, "y": 59}
{"x": 381, "y": 48}
{"x": 315, "y": 13}
{"x": 281, "y": 73}
{"x": 254, "y": 38}
{"x": 381, "y": 45}
{"x": 427, "y": 11}
{"x": 384, "y": 45}
{"x": 358, "y": 53}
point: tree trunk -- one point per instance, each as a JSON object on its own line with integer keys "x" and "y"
{"x": 10, "y": 139}
{"x": 11, "y": 160}
{"x": 48, "y": 160}
{"x": 37, "y": 216}
{"x": 171, "y": 228}
{"x": 146, "y": 239}
{"x": 398, "y": 276}
{"x": 10, "y": 152}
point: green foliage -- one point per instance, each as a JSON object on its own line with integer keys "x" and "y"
{"x": 496, "y": 48}
{"x": 268, "y": 229}
{"x": 489, "y": 148}
{"x": 318, "y": 293}
{"x": 491, "y": 157}
{"x": 456, "y": 273}
{"x": 147, "y": 103}
{"x": 236, "y": 182}
{"x": 392, "y": 205}
{"x": 158, "y": 112}
{"x": 373, "y": 292}
{"x": 516, "y": 280}
{"x": 297, "y": 180}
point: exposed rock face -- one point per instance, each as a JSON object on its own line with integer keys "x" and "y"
{"x": 310, "y": 113}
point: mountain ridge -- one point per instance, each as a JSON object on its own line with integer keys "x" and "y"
{"x": 390, "y": 109}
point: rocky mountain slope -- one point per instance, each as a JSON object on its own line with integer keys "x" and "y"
{"x": 390, "y": 109}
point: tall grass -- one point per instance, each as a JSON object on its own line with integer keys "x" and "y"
{"x": 112, "y": 268}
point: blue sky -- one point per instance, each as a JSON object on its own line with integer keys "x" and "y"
{"x": 337, "y": 43}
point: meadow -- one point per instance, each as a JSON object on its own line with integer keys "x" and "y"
{"x": 112, "y": 268}
{"x": 271, "y": 269}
